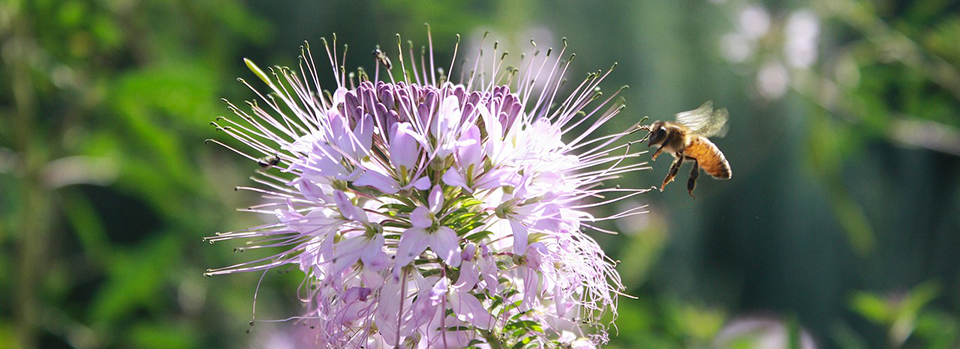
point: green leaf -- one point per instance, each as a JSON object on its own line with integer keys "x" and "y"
{"x": 162, "y": 336}
{"x": 137, "y": 279}
{"x": 872, "y": 307}
{"x": 478, "y": 236}
{"x": 522, "y": 343}
{"x": 524, "y": 324}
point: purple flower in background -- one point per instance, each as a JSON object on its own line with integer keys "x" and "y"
{"x": 426, "y": 213}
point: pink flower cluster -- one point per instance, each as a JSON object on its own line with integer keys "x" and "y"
{"x": 431, "y": 214}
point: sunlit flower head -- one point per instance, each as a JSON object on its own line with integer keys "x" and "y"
{"x": 431, "y": 213}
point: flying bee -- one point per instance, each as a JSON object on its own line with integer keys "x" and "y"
{"x": 268, "y": 162}
{"x": 382, "y": 58}
{"x": 686, "y": 139}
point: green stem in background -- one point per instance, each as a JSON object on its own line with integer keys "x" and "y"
{"x": 33, "y": 232}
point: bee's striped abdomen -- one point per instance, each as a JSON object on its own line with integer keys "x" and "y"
{"x": 709, "y": 157}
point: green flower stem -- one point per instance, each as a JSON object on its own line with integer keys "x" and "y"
{"x": 492, "y": 340}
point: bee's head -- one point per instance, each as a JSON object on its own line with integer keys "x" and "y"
{"x": 657, "y": 134}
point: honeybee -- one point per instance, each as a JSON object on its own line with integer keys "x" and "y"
{"x": 686, "y": 139}
{"x": 382, "y": 58}
{"x": 268, "y": 162}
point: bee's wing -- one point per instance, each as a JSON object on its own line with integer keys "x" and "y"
{"x": 717, "y": 126}
{"x": 704, "y": 120}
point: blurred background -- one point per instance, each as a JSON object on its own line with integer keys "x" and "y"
{"x": 839, "y": 229}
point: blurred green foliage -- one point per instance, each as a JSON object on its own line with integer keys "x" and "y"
{"x": 841, "y": 227}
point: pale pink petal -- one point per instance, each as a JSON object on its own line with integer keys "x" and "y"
{"x": 348, "y": 209}
{"x": 470, "y": 150}
{"x": 469, "y": 309}
{"x": 451, "y": 338}
{"x": 445, "y": 243}
{"x": 469, "y": 275}
{"x": 310, "y": 190}
{"x": 447, "y": 118}
{"x": 377, "y": 261}
{"x": 469, "y": 270}
{"x": 339, "y": 95}
{"x": 435, "y": 200}
{"x": 403, "y": 147}
{"x": 424, "y": 310}
{"x": 530, "y": 274}
{"x": 531, "y": 280}
{"x": 488, "y": 269}
{"x": 519, "y": 236}
{"x": 453, "y": 178}
{"x": 364, "y": 133}
{"x": 347, "y": 252}
{"x": 373, "y": 255}
{"x": 496, "y": 178}
{"x": 423, "y": 183}
{"x": 371, "y": 278}
{"x": 377, "y": 180}
{"x": 432, "y": 293}
{"x": 420, "y": 217}
{"x": 388, "y": 314}
{"x": 412, "y": 243}
{"x": 550, "y": 218}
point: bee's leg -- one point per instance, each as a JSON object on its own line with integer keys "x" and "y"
{"x": 644, "y": 138}
{"x": 674, "y": 169}
{"x": 657, "y": 153}
{"x": 643, "y": 128}
{"x": 694, "y": 174}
